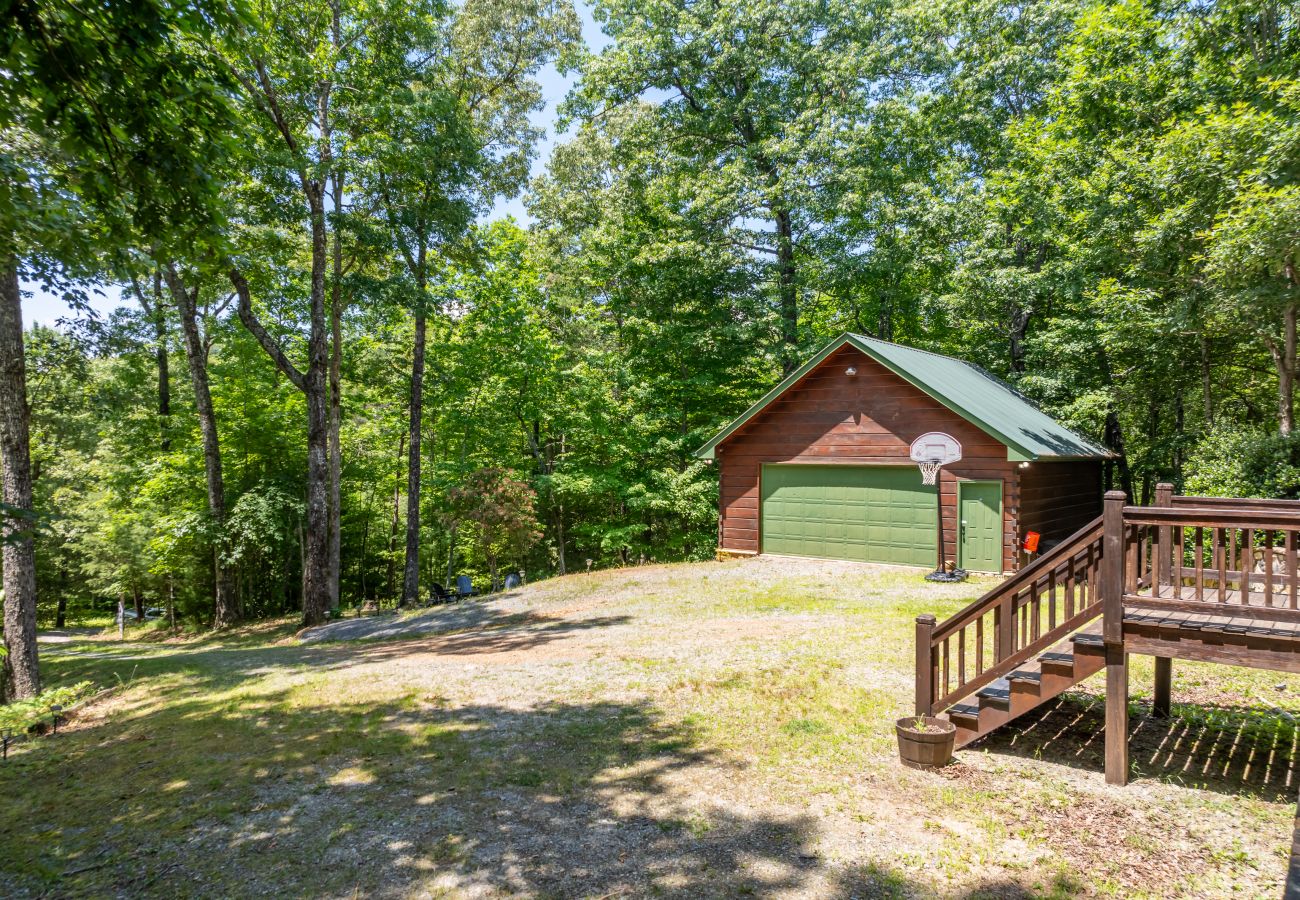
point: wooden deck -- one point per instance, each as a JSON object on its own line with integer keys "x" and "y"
{"x": 1196, "y": 578}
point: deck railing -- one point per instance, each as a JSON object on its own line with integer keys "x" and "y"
{"x": 1185, "y": 555}
{"x": 1026, "y": 614}
{"x": 1209, "y": 558}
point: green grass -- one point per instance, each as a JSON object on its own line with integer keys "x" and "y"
{"x": 727, "y": 731}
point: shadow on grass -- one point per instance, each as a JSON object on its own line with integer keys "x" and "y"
{"x": 217, "y": 663}
{"x": 269, "y": 795}
{"x": 224, "y": 783}
{"x": 1229, "y": 749}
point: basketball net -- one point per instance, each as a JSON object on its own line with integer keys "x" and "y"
{"x": 929, "y": 471}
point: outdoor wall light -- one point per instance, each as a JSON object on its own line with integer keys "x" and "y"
{"x": 1024, "y": 465}
{"x": 851, "y": 370}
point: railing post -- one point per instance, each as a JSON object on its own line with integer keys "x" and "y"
{"x": 1112, "y": 598}
{"x": 1112, "y": 567}
{"x": 924, "y": 664}
{"x": 1006, "y": 623}
{"x": 1160, "y": 577}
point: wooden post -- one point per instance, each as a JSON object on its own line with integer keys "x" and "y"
{"x": 1164, "y": 665}
{"x": 924, "y": 667}
{"x": 1006, "y": 622}
{"x": 1164, "y": 679}
{"x": 1112, "y": 567}
{"x": 1160, "y": 577}
{"x": 1116, "y": 715}
{"x": 1112, "y": 598}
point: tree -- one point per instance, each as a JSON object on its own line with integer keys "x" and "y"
{"x": 498, "y": 509}
{"x": 449, "y": 134}
{"x": 757, "y": 118}
{"x": 198, "y": 346}
{"x": 290, "y": 67}
{"x": 109, "y": 120}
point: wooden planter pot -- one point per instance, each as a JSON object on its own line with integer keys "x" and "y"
{"x": 930, "y": 748}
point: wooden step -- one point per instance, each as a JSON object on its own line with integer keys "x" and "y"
{"x": 966, "y": 716}
{"x": 1051, "y": 673}
{"x": 1088, "y": 642}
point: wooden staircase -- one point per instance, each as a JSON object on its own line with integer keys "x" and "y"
{"x": 1046, "y": 676}
{"x": 1202, "y": 578}
{"x": 1030, "y": 638}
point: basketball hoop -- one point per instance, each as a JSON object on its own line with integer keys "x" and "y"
{"x": 931, "y": 452}
{"x": 929, "y": 470}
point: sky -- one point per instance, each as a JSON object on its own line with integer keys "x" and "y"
{"x": 40, "y": 307}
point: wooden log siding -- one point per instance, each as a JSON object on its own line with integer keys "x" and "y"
{"x": 1059, "y": 498}
{"x": 870, "y": 418}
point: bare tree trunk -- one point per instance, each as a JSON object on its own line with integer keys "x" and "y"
{"x": 1115, "y": 441}
{"x": 1019, "y": 327}
{"x": 788, "y": 290}
{"x": 1284, "y": 362}
{"x": 225, "y": 607}
{"x": 1207, "y": 384}
{"x": 19, "y": 552}
{"x": 336, "y": 400}
{"x": 313, "y": 384}
{"x": 160, "y": 354}
{"x": 318, "y": 592}
{"x": 411, "y": 571}
{"x": 390, "y": 580}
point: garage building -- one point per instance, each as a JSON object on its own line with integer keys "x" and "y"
{"x": 820, "y": 466}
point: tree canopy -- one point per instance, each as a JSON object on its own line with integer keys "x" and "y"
{"x": 386, "y": 385}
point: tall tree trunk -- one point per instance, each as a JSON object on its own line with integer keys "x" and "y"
{"x": 225, "y": 606}
{"x": 315, "y": 581}
{"x": 1115, "y": 441}
{"x": 160, "y": 354}
{"x": 411, "y": 570}
{"x": 390, "y": 586}
{"x": 318, "y": 590}
{"x": 788, "y": 291}
{"x": 1207, "y": 384}
{"x": 1016, "y": 337}
{"x": 1284, "y": 361}
{"x": 336, "y": 400}
{"x": 19, "y": 552}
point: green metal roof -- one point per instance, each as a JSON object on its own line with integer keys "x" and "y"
{"x": 966, "y": 389}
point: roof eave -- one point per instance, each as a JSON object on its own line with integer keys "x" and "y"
{"x": 1016, "y": 452}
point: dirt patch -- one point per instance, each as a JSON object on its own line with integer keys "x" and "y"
{"x": 711, "y": 730}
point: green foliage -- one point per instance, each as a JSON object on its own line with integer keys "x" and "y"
{"x": 19, "y": 715}
{"x": 1098, "y": 202}
{"x": 1232, "y": 463}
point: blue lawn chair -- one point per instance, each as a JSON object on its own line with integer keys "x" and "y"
{"x": 464, "y": 587}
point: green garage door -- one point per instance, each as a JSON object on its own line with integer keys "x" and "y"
{"x": 866, "y": 513}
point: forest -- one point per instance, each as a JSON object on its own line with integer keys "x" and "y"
{"x": 339, "y": 380}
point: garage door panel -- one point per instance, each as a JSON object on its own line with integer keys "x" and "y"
{"x": 867, "y": 513}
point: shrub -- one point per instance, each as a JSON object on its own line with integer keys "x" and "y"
{"x": 1231, "y": 462}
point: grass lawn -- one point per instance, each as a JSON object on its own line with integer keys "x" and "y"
{"x": 716, "y": 729}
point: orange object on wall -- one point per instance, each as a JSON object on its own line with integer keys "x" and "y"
{"x": 1031, "y": 541}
